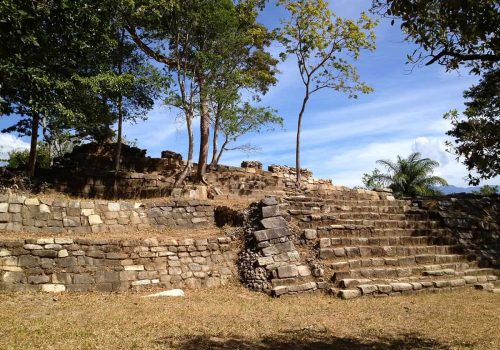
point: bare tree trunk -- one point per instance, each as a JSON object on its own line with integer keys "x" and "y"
{"x": 204, "y": 131}
{"x": 215, "y": 146}
{"x": 33, "y": 146}
{"x": 226, "y": 141}
{"x": 297, "y": 145}
{"x": 118, "y": 151}
{"x": 189, "y": 164}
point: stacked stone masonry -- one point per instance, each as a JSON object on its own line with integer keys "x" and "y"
{"x": 66, "y": 264}
{"x": 367, "y": 243}
{"x": 20, "y": 213}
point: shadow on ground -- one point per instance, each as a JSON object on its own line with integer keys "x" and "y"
{"x": 306, "y": 340}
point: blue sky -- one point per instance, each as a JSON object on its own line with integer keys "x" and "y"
{"x": 342, "y": 138}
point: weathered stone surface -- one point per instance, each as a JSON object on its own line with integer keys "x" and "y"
{"x": 274, "y": 222}
{"x": 310, "y": 234}
{"x": 349, "y": 293}
{"x": 270, "y": 211}
{"x": 399, "y": 287}
{"x": 269, "y": 201}
{"x": 288, "y": 271}
{"x": 367, "y": 288}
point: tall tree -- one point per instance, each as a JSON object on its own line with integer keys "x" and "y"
{"x": 45, "y": 44}
{"x": 324, "y": 46}
{"x": 206, "y": 28}
{"x": 410, "y": 176}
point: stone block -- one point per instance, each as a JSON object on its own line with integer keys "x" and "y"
{"x": 304, "y": 270}
{"x": 134, "y": 268}
{"x": 270, "y": 211}
{"x": 32, "y": 201}
{"x": 53, "y": 288}
{"x": 367, "y": 288}
{"x": 38, "y": 279}
{"x": 4, "y": 207}
{"x": 113, "y": 206}
{"x": 83, "y": 279}
{"x": 399, "y": 287}
{"x": 269, "y": 201}
{"x": 349, "y": 293}
{"x": 288, "y": 271}
{"x": 274, "y": 222}
{"x": 15, "y": 208}
{"x": 310, "y": 234}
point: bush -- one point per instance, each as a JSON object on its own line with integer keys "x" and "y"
{"x": 18, "y": 159}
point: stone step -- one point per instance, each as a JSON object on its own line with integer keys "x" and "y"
{"x": 387, "y": 241}
{"x": 380, "y": 289}
{"x": 354, "y": 209}
{"x": 409, "y": 272}
{"x": 311, "y": 215}
{"x": 421, "y": 252}
{"x": 394, "y": 262}
{"x": 411, "y": 224}
{"x": 365, "y": 231}
{"x": 315, "y": 202}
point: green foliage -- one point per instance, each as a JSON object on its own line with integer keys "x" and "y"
{"x": 410, "y": 177}
{"x": 477, "y": 134}
{"x": 452, "y": 33}
{"x": 18, "y": 159}
{"x": 324, "y": 44}
{"x": 372, "y": 180}
{"x": 487, "y": 190}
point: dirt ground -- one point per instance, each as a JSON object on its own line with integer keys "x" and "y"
{"x": 235, "y": 318}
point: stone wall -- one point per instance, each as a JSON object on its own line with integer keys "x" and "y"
{"x": 19, "y": 213}
{"x": 474, "y": 221}
{"x": 65, "y": 264}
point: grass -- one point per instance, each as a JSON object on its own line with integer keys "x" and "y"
{"x": 235, "y": 318}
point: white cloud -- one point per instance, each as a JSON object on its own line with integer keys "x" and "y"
{"x": 9, "y": 143}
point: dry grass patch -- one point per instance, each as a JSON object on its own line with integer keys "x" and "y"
{"x": 235, "y": 318}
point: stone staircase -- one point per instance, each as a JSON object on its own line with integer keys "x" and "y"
{"x": 365, "y": 243}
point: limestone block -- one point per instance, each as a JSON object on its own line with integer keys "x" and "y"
{"x": 4, "y": 252}
{"x": 141, "y": 283}
{"x": 398, "y": 287}
{"x": 87, "y": 212}
{"x": 63, "y": 240}
{"x": 38, "y": 279}
{"x": 71, "y": 222}
{"x": 62, "y": 253}
{"x": 274, "y": 222}
{"x": 4, "y": 207}
{"x": 288, "y": 271}
{"x": 270, "y": 211}
{"x": 310, "y": 234}
{"x": 367, "y": 288}
{"x": 14, "y": 277}
{"x": 134, "y": 268}
{"x": 349, "y": 293}
{"x": 269, "y": 201}
{"x": 94, "y": 219}
{"x": 32, "y": 201}
{"x": 32, "y": 247}
{"x": 113, "y": 206}
{"x": 304, "y": 270}
{"x": 15, "y": 208}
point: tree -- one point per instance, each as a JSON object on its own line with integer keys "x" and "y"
{"x": 373, "y": 180}
{"x": 18, "y": 159}
{"x": 451, "y": 33}
{"x": 242, "y": 119}
{"x": 45, "y": 44}
{"x": 410, "y": 176}
{"x": 323, "y": 45}
{"x": 206, "y": 29}
{"x": 486, "y": 190}
{"x": 460, "y": 34}
{"x": 128, "y": 84}
{"x": 477, "y": 136}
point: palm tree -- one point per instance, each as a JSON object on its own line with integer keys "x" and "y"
{"x": 410, "y": 177}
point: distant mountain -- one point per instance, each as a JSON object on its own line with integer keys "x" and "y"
{"x": 449, "y": 189}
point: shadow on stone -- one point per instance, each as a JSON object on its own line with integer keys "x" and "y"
{"x": 307, "y": 340}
